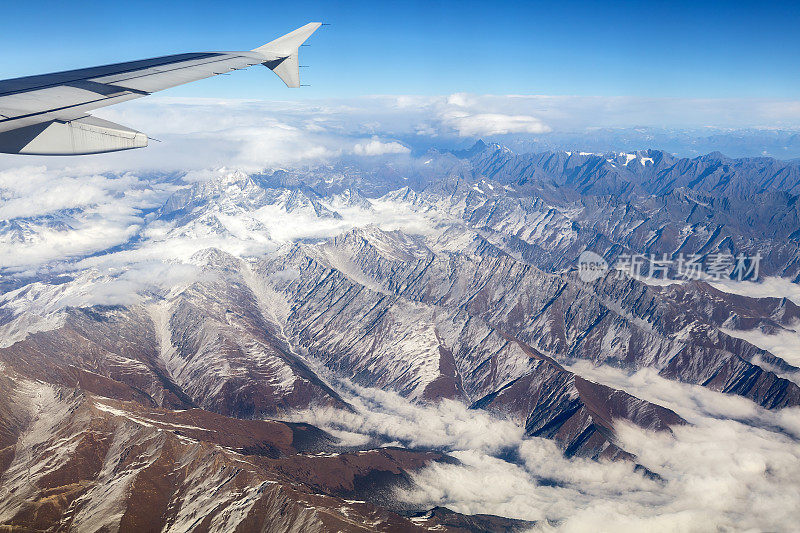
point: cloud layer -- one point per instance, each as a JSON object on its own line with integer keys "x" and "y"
{"x": 488, "y": 124}
{"x": 48, "y": 215}
{"x": 203, "y": 133}
{"x": 719, "y": 474}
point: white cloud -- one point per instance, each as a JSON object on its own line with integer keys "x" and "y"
{"x": 783, "y": 343}
{"x": 130, "y": 286}
{"x": 450, "y": 425}
{"x": 94, "y": 235}
{"x": 110, "y": 286}
{"x": 769, "y": 287}
{"x": 68, "y": 233}
{"x": 376, "y": 147}
{"x": 204, "y": 133}
{"x": 719, "y": 474}
{"x": 31, "y": 191}
{"x": 736, "y": 467}
{"x": 461, "y": 100}
{"x": 56, "y": 215}
{"x": 484, "y": 124}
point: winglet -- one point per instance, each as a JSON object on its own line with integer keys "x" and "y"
{"x": 282, "y": 53}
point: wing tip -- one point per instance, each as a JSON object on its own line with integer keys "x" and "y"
{"x": 282, "y": 57}
{"x": 286, "y": 44}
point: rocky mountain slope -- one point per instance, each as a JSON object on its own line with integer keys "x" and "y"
{"x": 148, "y": 387}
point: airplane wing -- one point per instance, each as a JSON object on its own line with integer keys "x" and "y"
{"x": 49, "y": 114}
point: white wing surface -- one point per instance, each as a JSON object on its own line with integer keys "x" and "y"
{"x": 49, "y": 114}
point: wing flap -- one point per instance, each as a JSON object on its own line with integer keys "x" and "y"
{"x": 82, "y": 136}
{"x": 63, "y": 114}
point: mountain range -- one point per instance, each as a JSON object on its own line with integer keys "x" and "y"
{"x": 167, "y": 383}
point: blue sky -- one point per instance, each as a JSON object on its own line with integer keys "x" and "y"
{"x": 652, "y": 49}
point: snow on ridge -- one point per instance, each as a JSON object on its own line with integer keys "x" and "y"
{"x": 26, "y": 324}
{"x": 146, "y": 422}
{"x": 118, "y": 412}
{"x": 46, "y": 409}
{"x": 344, "y": 264}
